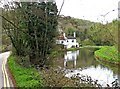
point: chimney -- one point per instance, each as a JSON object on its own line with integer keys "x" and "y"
{"x": 64, "y": 35}
{"x": 74, "y": 34}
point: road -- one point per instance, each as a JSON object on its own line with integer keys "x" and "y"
{"x": 5, "y": 80}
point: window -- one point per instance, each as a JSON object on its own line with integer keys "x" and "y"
{"x": 76, "y": 46}
{"x": 72, "y": 40}
{"x": 62, "y": 42}
{"x": 73, "y": 46}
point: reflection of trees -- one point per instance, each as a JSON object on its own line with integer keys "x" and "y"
{"x": 86, "y": 58}
{"x": 114, "y": 68}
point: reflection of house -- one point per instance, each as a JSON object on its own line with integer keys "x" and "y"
{"x": 71, "y": 56}
{"x": 68, "y": 42}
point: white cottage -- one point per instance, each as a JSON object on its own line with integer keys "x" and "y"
{"x": 68, "y": 41}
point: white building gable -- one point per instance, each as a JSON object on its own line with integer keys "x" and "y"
{"x": 68, "y": 42}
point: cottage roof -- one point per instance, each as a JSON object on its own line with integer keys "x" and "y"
{"x": 61, "y": 38}
{"x": 70, "y": 37}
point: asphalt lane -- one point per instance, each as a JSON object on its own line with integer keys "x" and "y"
{"x": 3, "y": 74}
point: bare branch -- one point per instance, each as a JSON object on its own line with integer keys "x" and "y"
{"x": 61, "y": 7}
{"x": 9, "y": 21}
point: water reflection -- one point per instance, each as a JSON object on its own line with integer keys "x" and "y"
{"x": 103, "y": 75}
{"x": 71, "y": 56}
{"x": 84, "y": 63}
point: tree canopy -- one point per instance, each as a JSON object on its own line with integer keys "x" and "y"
{"x": 31, "y": 27}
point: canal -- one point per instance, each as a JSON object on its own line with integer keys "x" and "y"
{"x": 83, "y": 64}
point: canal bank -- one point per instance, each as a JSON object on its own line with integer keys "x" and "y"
{"x": 93, "y": 47}
{"x": 108, "y": 54}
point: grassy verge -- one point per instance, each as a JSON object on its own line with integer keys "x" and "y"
{"x": 88, "y": 46}
{"x": 108, "y": 53}
{"x": 24, "y": 77}
{"x": 72, "y": 49}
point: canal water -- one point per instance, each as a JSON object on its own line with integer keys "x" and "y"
{"x": 83, "y": 62}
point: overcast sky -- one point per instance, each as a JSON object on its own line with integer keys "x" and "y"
{"x": 90, "y": 9}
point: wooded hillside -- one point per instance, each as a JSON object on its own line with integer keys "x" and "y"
{"x": 89, "y": 33}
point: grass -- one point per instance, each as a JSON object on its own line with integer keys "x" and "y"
{"x": 108, "y": 53}
{"x": 72, "y": 49}
{"x": 24, "y": 77}
{"x": 88, "y": 46}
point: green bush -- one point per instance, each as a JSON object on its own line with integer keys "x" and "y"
{"x": 87, "y": 42}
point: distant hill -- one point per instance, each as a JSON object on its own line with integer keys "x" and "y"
{"x": 66, "y": 23}
{"x": 87, "y": 32}
{"x": 69, "y": 25}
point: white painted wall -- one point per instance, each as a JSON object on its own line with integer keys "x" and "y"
{"x": 68, "y": 43}
{"x": 60, "y": 42}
